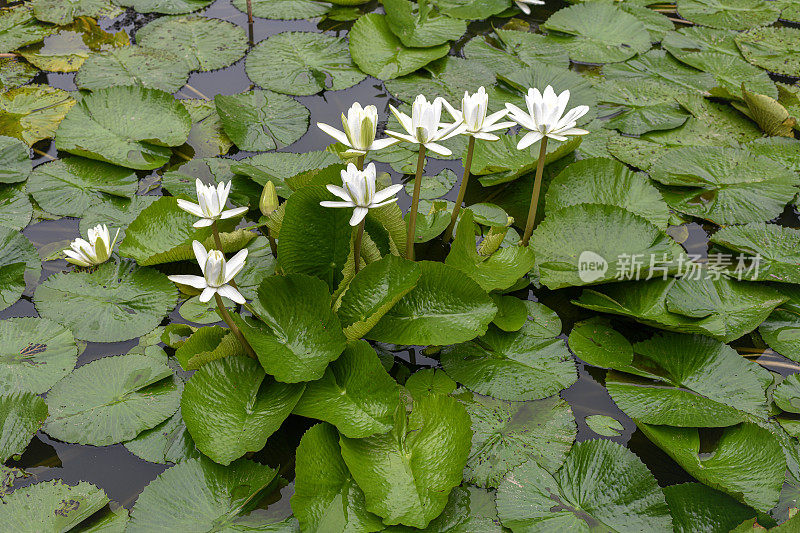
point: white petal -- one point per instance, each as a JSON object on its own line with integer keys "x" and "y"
{"x": 235, "y": 212}
{"x": 200, "y": 253}
{"x": 380, "y": 144}
{"x": 387, "y": 202}
{"x": 574, "y": 131}
{"x": 486, "y": 136}
{"x": 231, "y": 294}
{"x": 388, "y": 192}
{"x": 438, "y": 149}
{"x": 235, "y": 265}
{"x": 402, "y": 136}
{"x": 328, "y": 203}
{"x": 76, "y": 259}
{"x": 207, "y": 294}
{"x": 190, "y": 207}
{"x": 193, "y": 281}
{"x": 556, "y": 137}
{"x": 333, "y": 132}
{"x": 358, "y": 215}
{"x": 403, "y": 119}
{"x": 203, "y": 222}
{"x": 529, "y": 138}
{"x": 338, "y": 191}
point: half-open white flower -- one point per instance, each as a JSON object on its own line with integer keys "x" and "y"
{"x": 473, "y": 117}
{"x": 544, "y": 117}
{"x": 524, "y": 5}
{"x": 211, "y": 202}
{"x": 217, "y": 273}
{"x": 424, "y": 126}
{"x": 358, "y": 191}
{"x": 360, "y": 127}
{"x": 94, "y": 252}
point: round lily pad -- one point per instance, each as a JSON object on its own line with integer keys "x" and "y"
{"x": 63, "y": 12}
{"x": 112, "y": 399}
{"x": 285, "y": 9}
{"x": 168, "y": 442}
{"x": 21, "y": 416}
{"x": 729, "y": 14}
{"x": 302, "y": 63}
{"x": 168, "y": 7}
{"x": 19, "y": 265}
{"x": 773, "y": 49}
{"x": 33, "y": 112}
{"x": 155, "y": 68}
{"x": 35, "y": 353}
{"x": 202, "y": 43}
{"x": 261, "y": 120}
{"x": 15, "y": 165}
{"x": 15, "y": 207}
{"x": 604, "y": 425}
{"x": 50, "y": 506}
{"x": 114, "y": 303}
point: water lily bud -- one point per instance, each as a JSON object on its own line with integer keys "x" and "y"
{"x": 269, "y": 199}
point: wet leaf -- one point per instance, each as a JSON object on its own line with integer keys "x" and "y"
{"x": 51, "y": 506}
{"x": 33, "y": 112}
{"x": 261, "y": 120}
{"x": 21, "y": 416}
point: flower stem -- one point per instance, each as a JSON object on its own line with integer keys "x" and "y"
{"x": 357, "y": 246}
{"x": 251, "y": 39}
{"x": 412, "y": 221}
{"x": 537, "y": 186}
{"x": 232, "y": 325}
{"x": 461, "y": 191}
{"x": 217, "y": 239}
{"x": 360, "y": 162}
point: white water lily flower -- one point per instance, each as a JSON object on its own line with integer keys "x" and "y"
{"x": 217, "y": 273}
{"x": 424, "y": 126}
{"x": 358, "y": 191}
{"x": 360, "y": 127}
{"x": 94, "y": 252}
{"x": 211, "y": 202}
{"x": 524, "y": 5}
{"x": 473, "y": 117}
{"x": 544, "y": 117}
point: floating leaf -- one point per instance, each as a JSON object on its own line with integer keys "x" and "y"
{"x": 14, "y": 73}
{"x": 512, "y": 313}
{"x": 33, "y": 112}
{"x": 604, "y": 425}
{"x": 781, "y": 330}
{"x": 597, "y": 343}
{"x": 285, "y": 9}
{"x": 116, "y": 212}
{"x": 658, "y": 71}
{"x": 298, "y": 334}
{"x": 774, "y": 49}
{"x": 63, "y": 12}
{"x": 528, "y": 364}
{"x": 35, "y": 353}
{"x": 15, "y": 165}
{"x": 201, "y": 495}
{"x": 728, "y": 14}
{"x": 471, "y": 9}
{"x": 51, "y": 506}
{"x": 507, "y": 435}
{"x": 422, "y": 456}
{"x": 775, "y": 247}
{"x": 136, "y": 66}
{"x": 356, "y": 394}
{"x": 598, "y": 32}
{"x": 168, "y": 442}
{"x": 302, "y": 63}
{"x": 695, "y": 507}
{"x": 202, "y": 43}
{"x": 731, "y": 73}
{"x": 421, "y": 25}
{"x": 19, "y": 264}
{"x": 514, "y": 50}
{"x": 229, "y": 408}
{"x": 207, "y": 137}
{"x": 326, "y": 497}
{"x": 128, "y": 126}
{"x": 277, "y": 166}
{"x": 429, "y": 381}
{"x": 112, "y": 399}
{"x": 378, "y": 52}
{"x": 601, "y": 484}
{"x": 15, "y": 207}
{"x": 67, "y": 50}
{"x": 21, "y": 416}
{"x": 19, "y": 27}
{"x": 169, "y": 7}
{"x": 261, "y": 120}
{"x": 444, "y": 308}
{"x": 115, "y": 302}
{"x": 695, "y": 39}
{"x": 787, "y": 394}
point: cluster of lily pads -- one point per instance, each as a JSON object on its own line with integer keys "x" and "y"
{"x": 683, "y": 124}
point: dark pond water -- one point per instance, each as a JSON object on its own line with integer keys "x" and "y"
{"x": 123, "y": 475}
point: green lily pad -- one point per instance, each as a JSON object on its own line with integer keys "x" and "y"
{"x": 19, "y": 265}
{"x": 71, "y": 185}
{"x": 115, "y": 302}
{"x": 356, "y": 394}
{"x": 408, "y": 473}
{"x": 720, "y": 308}
{"x": 168, "y": 7}
{"x": 746, "y": 461}
{"x": 168, "y": 442}
{"x": 229, "y": 408}
{"x": 16, "y": 165}
{"x": 499, "y": 271}
{"x": 729, "y": 14}
{"x": 781, "y": 330}
{"x": 513, "y": 50}
{"x": 598, "y": 32}
{"x": 378, "y": 52}
{"x": 67, "y": 50}
{"x": 421, "y": 25}
{"x": 326, "y": 497}
{"x": 285, "y": 9}
{"x": 208, "y": 344}
{"x": 694, "y": 39}
{"x": 658, "y": 72}
{"x": 14, "y": 73}
{"x": 277, "y": 166}
{"x": 771, "y": 48}
{"x": 604, "y": 425}
{"x": 512, "y": 313}
{"x": 731, "y": 73}
{"x": 137, "y": 66}
{"x": 601, "y": 485}
{"x": 605, "y": 181}
{"x": 15, "y": 207}
{"x": 128, "y": 126}
{"x": 33, "y": 112}
{"x": 696, "y": 507}
{"x": 116, "y": 212}
{"x": 642, "y": 111}
{"x": 433, "y": 187}
{"x": 724, "y": 185}
{"x": 207, "y": 136}
{"x": 597, "y": 343}
{"x": 19, "y": 27}
{"x": 202, "y": 43}
{"x": 63, "y": 12}
{"x": 302, "y": 63}
{"x": 444, "y": 308}
{"x": 528, "y": 364}
{"x": 298, "y": 334}
{"x": 261, "y": 120}
{"x": 51, "y": 506}
{"x": 508, "y": 434}
{"x": 429, "y": 381}
{"x": 35, "y": 353}
{"x": 776, "y": 248}
{"x": 689, "y": 381}
{"x": 201, "y": 495}
{"x": 471, "y": 9}
{"x": 21, "y": 416}
{"x": 787, "y": 394}
{"x": 112, "y": 399}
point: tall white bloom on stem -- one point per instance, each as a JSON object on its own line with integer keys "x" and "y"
{"x": 546, "y": 120}
{"x": 360, "y": 127}
{"x": 524, "y": 5}
{"x": 95, "y": 251}
{"x": 210, "y": 205}
{"x": 358, "y": 191}
{"x": 477, "y": 125}
{"x": 217, "y": 274}
{"x": 423, "y": 127}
